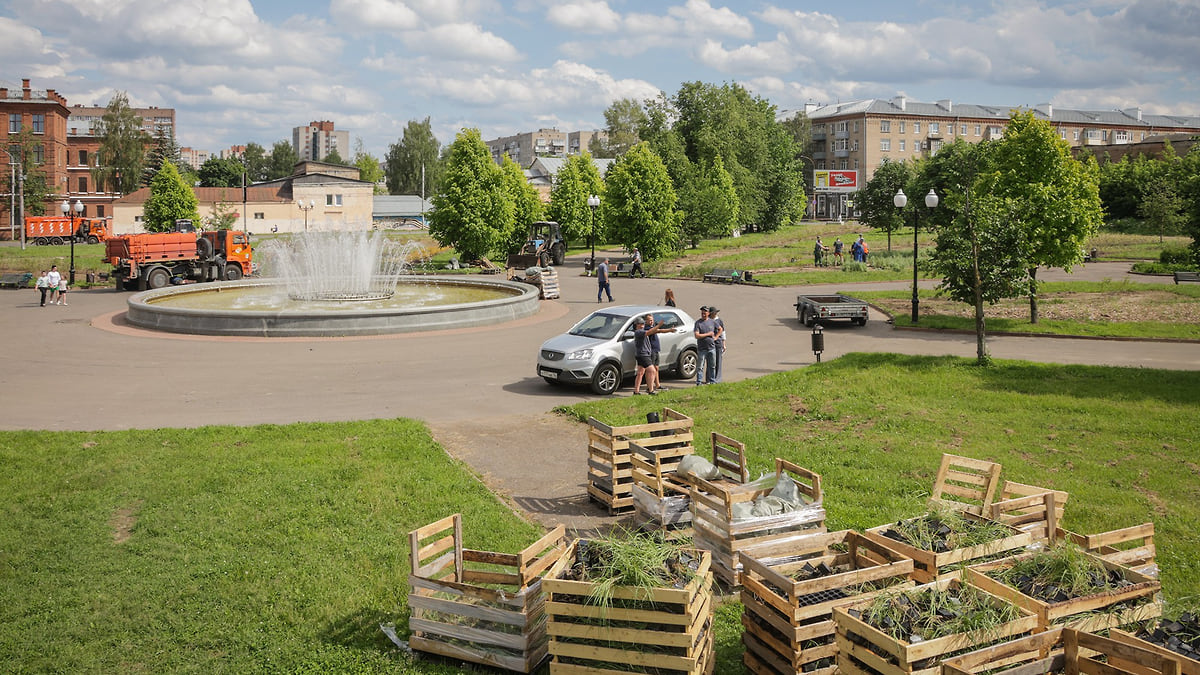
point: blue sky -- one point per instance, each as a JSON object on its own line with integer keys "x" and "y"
{"x": 238, "y": 71}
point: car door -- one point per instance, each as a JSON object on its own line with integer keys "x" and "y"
{"x": 628, "y": 346}
{"x": 671, "y": 336}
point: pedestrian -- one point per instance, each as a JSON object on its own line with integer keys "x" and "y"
{"x": 655, "y": 350}
{"x": 644, "y": 354}
{"x": 706, "y": 332}
{"x": 43, "y": 286}
{"x": 62, "y": 291}
{"x": 669, "y": 298}
{"x": 837, "y": 251}
{"x": 856, "y": 250}
{"x": 602, "y": 278}
{"x": 52, "y": 280}
{"x": 719, "y": 351}
{"x": 636, "y": 267}
{"x": 819, "y": 252}
{"x": 866, "y": 252}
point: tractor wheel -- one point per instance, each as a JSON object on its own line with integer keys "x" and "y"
{"x": 544, "y": 259}
{"x": 560, "y": 254}
{"x": 606, "y": 379}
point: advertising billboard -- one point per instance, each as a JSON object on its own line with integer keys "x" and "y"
{"x": 835, "y": 181}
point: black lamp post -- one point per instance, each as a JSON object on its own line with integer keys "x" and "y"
{"x": 66, "y": 209}
{"x": 593, "y": 201}
{"x": 931, "y": 201}
{"x": 306, "y": 208}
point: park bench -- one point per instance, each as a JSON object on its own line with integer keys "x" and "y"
{"x": 728, "y": 276}
{"x": 1188, "y": 277}
{"x": 17, "y": 280}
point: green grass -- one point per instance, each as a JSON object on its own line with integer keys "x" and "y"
{"x": 259, "y": 549}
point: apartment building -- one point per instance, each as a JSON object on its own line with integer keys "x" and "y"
{"x": 316, "y": 140}
{"x": 858, "y": 135}
{"x": 193, "y": 157}
{"x": 525, "y": 147}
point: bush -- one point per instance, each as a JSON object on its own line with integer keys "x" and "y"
{"x": 1129, "y": 226}
{"x": 1175, "y": 255}
{"x": 854, "y": 266}
{"x": 1161, "y": 268}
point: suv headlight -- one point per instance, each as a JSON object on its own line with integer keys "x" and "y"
{"x": 581, "y": 355}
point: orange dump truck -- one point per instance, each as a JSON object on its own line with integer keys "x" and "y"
{"x": 154, "y": 260}
{"x": 55, "y": 230}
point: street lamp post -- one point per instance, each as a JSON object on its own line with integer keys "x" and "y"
{"x": 16, "y": 189}
{"x": 931, "y": 201}
{"x": 593, "y": 201}
{"x": 66, "y": 209}
{"x": 311, "y": 205}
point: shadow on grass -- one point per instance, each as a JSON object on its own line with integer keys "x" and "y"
{"x": 360, "y": 630}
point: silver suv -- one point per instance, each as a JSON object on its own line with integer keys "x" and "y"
{"x": 599, "y": 350}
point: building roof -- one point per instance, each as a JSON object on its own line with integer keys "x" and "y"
{"x": 399, "y": 206}
{"x": 948, "y": 109}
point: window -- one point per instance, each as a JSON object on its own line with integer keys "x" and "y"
{"x": 83, "y": 158}
{"x": 1076, "y": 134}
{"x": 14, "y": 123}
{"x": 845, "y": 165}
{"x": 137, "y": 219}
{"x": 916, "y": 127}
{"x": 885, "y": 145}
{"x": 82, "y": 184}
{"x": 854, "y": 147}
{"x": 901, "y": 126}
{"x": 934, "y": 128}
{"x": 977, "y": 130}
{"x": 856, "y": 165}
{"x": 962, "y": 130}
{"x": 333, "y": 200}
{"x": 1104, "y": 135}
{"x": 39, "y": 123}
{"x": 259, "y": 215}
{"x": 856, "y": 126}
{"x": 1062, "y": 133}
{"x": 821, "y": 165}
{"x": 901, "y": 145}
{"x": 99, "y": 210}
{"x": 885, "y": 126}
{"x": 39, "y": 154}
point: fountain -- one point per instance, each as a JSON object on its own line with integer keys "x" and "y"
{"x": 333, "y": 284}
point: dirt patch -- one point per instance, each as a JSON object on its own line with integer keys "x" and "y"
{"x": 122, "y": 522}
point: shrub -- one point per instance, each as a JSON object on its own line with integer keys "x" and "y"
{"x": 854, "y": 266}
{"x": 1175, "y": 255}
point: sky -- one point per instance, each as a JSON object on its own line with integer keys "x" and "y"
{"x": 239, "y": 71}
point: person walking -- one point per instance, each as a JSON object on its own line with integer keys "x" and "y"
{"x": 43, "y": 286}
{"x": 837, "y": 251}
{"x": 602, "y": 279}
{"x": 52, "y": 280}
{"x": 643, "y": 353}
{"x": 636, "y": 266}
{"x": 706, "y": 332}
{"x": 669, "y": 298}
{"x": 62, "y": 292}
{"x": 719, "y": 350}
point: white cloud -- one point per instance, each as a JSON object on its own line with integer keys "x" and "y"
{"x": 589, "y": 17}
{"x": 464, "y": 41}
{"x": 385, "y": 15}
{"x": 765, "y": 57}
{"x": 700, "y": 18}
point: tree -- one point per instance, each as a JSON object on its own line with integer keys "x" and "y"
{"x": 30, "y": 153}
{"x": 413, "y": 165}
{"x": 282, "y": 161}
{"x": 527, "y": 206}
{"x": 472, "y": 213}
{"x": 170, "y": 198}
{"x": 217, "y": 172}
{"x": 709, "y": 203}
{"x": 1056, "y": 198}
{"x": 223, "y": 216}
{"x": 875, "y": 199}
{"x": 1163, "y": 207}
{"x": 369, "y": 168}
{"x": 639, "y": 205}
{"x": 165, "y": 149}
{"x": 122, "y": 152}
{"x": 622, "y": 120}
{"x": 256, "y": 162}
{"x": 577, "y": 180}
{"x": 333, "y": 157}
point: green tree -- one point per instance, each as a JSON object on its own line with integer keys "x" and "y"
{"x": 577, "y": 180}
{"x": 413, "y": 164}
{"x": 30, "y": 153}
{"x": 283, "y": 160}
{"x": 639, "y": 205}
{"x": 256, "y": 162}
{"x": 170, "y": 198}
{"x": 165, "y": 149}
{"x": 709, "y": 203}
{"x": 217, "y": 172}
{"x": 1163, "y": 208}
{"x": 527, "y": 205}
{"x": 472, "y": 213}
{"x": 223, "y": 216}
{"x": 875, "y": 199}
{"x": 122, "y": 152}
{"x": 622, "y": 120}
{"x": 333, "y": 157}
{"x": 1056, "y": 198}
{"x": 369, "y": 168}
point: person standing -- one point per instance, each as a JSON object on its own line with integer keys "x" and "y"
{"x": 636, "y": 267}
{"x": 837, "y": 251}
{"x": 866, "y": 252}
{"x": 52, "y": 280}
{"x": 43, "y": 286}
{"x": 655, "y": 350}
{"x": 819, "y": 252}
{"x": 602, "y": 279}
{"x": 856, "y": 250}
{"x": 719, "y": 350}
{"x": 669, "y": 298}
{"x": 706, "y": 332}
{"x": 642, "y": 331}
{"x": 62, "y": 291}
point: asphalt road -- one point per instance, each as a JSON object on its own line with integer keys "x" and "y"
{"x": 78, "y": 367}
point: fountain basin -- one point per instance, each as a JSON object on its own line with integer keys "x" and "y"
{"x": 507, "y": 301}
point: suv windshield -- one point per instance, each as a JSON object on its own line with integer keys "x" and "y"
{"x": 599, "y": 326}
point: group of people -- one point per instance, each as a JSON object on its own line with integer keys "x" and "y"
{"x": 858, "y": 251}
{"x": 710, "y": 345}
{"x": 54, "y": 285}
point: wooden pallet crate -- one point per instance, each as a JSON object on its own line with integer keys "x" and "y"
{"x": 662, "y": 496}
{"x": 931, "y": 566}
{"x": 1187, "y": 666}
{"x": 863, "y": 649}
{"x": 1131, "y": 547}
{"x": 1063, "y": 651}
{"x": 965, "y": 484}
{"x": 479, "y": 606}
{"x": 669, "y": 629}
{"x": 1031, "y": 509}
{"x": 1091, "y": 613}
{"x": 788, "y": 623}
{"x": 610, "y": 467}
{"x": 717, "y": 528}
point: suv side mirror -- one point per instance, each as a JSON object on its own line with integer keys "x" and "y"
{"x": 628, "y": 335}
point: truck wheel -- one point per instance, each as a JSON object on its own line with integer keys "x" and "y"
{"x": 93, "y": 239}
{"x": 233, "y": 272}
{"x": 158, "y": 278}
{"x": 56, "y": 241}
{"x": 40, "y": 241}
{"x": 560, "y": 254}
{"x": 861, "y": 321}
{"x": 606, "y": 379}
{"x": 204, "y": 248}
{"x": 685, "y": 367}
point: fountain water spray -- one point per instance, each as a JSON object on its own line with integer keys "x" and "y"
{"x": 339, "y": 266}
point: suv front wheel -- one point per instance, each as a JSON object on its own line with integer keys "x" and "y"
{"x": 607, "y": 378}
{"x": 685, "y": 367}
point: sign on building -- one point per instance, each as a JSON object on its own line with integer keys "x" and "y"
{"x": 835, "y": 181}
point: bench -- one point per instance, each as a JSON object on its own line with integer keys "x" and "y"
{"x": 729, "y": 276}
{"x": 1188, "y": 277}
{"x": 18, "y": 280}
